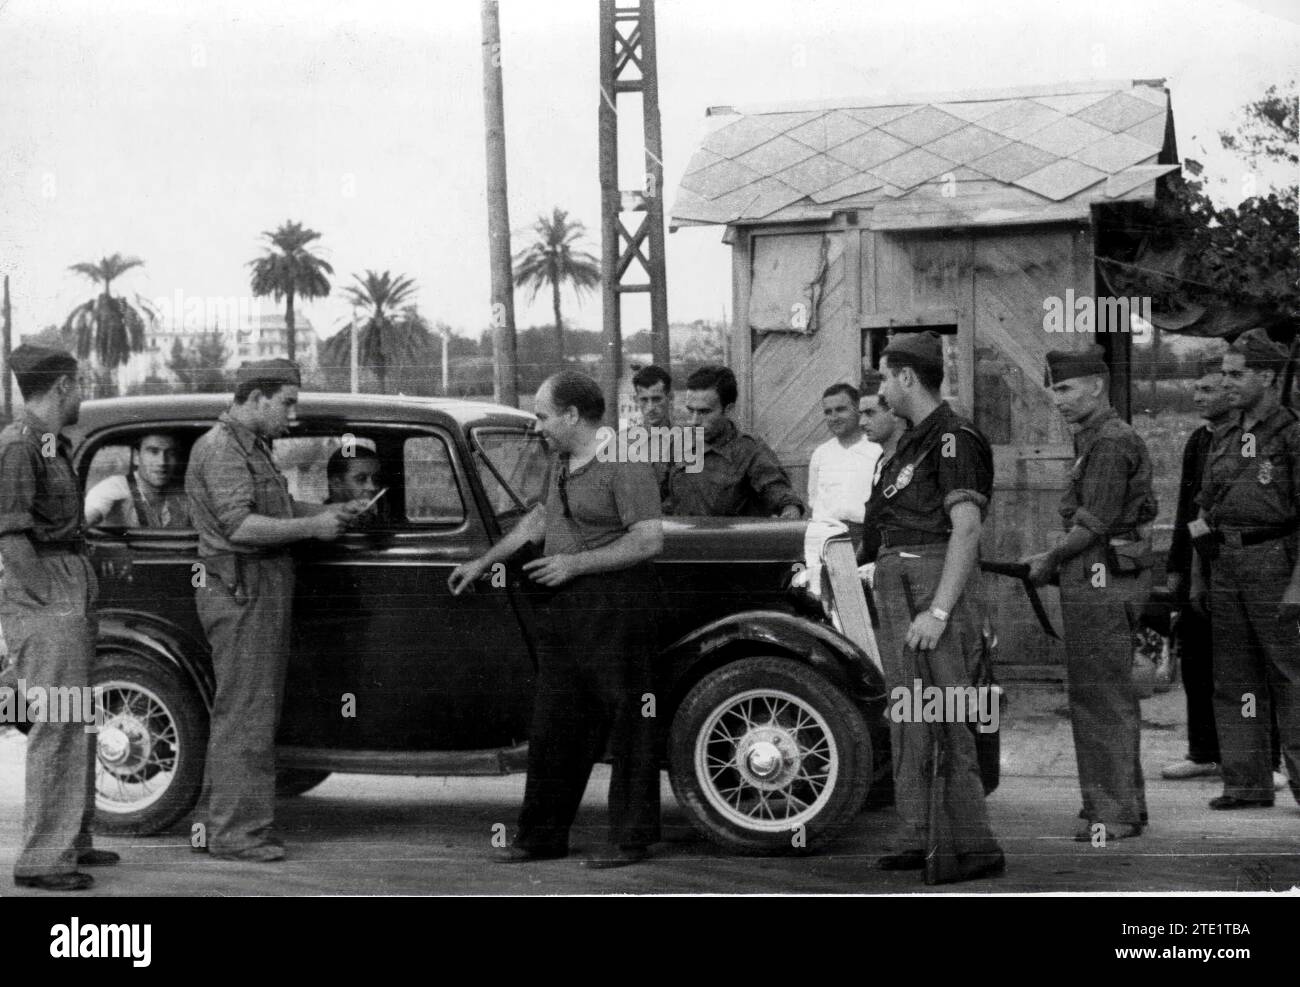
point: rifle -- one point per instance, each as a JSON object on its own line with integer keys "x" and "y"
{"x": 941, "y": 864}
{"x": 1020, "y": 571}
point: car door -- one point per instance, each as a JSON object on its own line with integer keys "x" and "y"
{"x": 384, "y": 658}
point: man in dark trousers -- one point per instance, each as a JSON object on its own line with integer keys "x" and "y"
{"x": 600, "y": 525}
{"x": 246, "y": 521}
{"x": 929, "y": 505}
{"x": 47, "y": 606}
{"x": 741, "y": 476}
{"x": 1193, "y": 629}
{"x": 1250, "y": 522}
{"x": 1103, "y": 568}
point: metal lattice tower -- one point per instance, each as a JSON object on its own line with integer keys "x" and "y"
{"x": 632, "y": 222}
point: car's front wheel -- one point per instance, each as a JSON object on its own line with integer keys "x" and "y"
{"x": 768, "y": 756}
{"x": 150, "y": 745}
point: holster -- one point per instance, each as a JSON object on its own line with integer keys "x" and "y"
{"x": 1207, "y": 546}
{"x": 1129, "y": 558}
{"x": 229, "y": 568}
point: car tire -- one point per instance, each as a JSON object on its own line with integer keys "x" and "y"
{"x": 150, "y": 746}
{"x": 767, "y": 756}
{"x": 292, "y": 782}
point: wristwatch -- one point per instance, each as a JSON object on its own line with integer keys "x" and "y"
{"x": 938, "y": 614}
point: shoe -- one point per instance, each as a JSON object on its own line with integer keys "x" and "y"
{"x": 972, "y": 866}
{"x": 1189, "y": 769}
{"x": 1232, "y": 802}
{"x": 1279, "y": 780}
{"x": 71, "y": 881}
{"x": 1112, "y": 834}
{"x": 258, "y": 853}
{"x": 516, "y": 854}
{"x": 97, "y": 858}
{"x": 616, "y": 856}
{"x": 906, "y": 860}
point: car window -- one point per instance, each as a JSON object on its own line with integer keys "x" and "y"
{"x": 520, "y": 459}
{"x": 432, "y": 495}
{"x": 109, "y": 460}
{"x": 302, "y": 460}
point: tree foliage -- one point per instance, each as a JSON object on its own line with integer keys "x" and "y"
{"x": 394, "y": 336}
{"x": 108, "y": 327}
{"x": 201, "y": 366}
{"x": 553, "y": 260}
{"x": 288, "y": 271}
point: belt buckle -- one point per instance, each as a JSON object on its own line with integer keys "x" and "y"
{"x": 1232, "y": 538}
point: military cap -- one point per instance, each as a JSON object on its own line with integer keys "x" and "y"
{"x": 1259, "y": 350}
{"x": 38, "y": 367}
{"x": 1063, "y": 365}
{"x": 279, "y": 371}
{"x": 924, "y": 347}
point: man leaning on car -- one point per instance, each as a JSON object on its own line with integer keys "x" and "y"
{"x": 246, "y": 519}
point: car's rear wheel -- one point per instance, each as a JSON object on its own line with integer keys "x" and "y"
{"x": 150, "y": 745}
{"x": 768, "y": 756}
{"x": 290, "y": 782}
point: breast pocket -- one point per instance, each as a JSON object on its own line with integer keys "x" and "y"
{"x": 271, "y": 496}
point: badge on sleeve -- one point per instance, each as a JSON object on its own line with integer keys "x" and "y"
{"x": 1266, "y": 472}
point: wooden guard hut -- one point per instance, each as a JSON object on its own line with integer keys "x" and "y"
{"x": 980, "y": 215}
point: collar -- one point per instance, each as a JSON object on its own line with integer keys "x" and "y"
{"x": 40, "y": 426}
{"x": 932, "y": 422}
{"x": 1097, "y": 419}
{"x": 1267, "y": 408}
{"x": 729, "y": 435}
{"x": 245, "y": 436}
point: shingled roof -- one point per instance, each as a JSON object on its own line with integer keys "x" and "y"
{"x": 955, "y": 159}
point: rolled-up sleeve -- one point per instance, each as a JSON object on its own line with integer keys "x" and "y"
{"x": 965, "y": 474}
{"x": 17, "y": 489}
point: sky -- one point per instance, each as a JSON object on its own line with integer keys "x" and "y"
{"x": 178, "y": 131}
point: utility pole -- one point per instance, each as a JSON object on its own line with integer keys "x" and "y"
{"x": 505, "y": 369}
{"x": 356, "y": 370}
{"x": 8, "y": 343}
{"x": 629, "y": 64}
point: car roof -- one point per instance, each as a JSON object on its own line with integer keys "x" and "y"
{"x": 108, "y": 412}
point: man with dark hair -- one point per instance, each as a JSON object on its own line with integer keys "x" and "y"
{"x": 47, "y": 606}
{"x": 739, "y": 474}
{"x": 148, "y": 495}
{"x": 1102, "y": 565}
{"x": 601, "y": 529}
{"x": 653, "y": 387}
{"x": 1249, "y": 523}
{"x": 840, "y": 469}
{"x": 878, "y": 420}
{"x": 246, "y": 521}
{"x": 352, "y": 475}
{"x": 929, "y": 506}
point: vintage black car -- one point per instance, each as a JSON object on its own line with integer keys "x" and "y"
{"x": 772, "y": 717}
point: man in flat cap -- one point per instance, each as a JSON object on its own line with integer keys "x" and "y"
{"x": 1248, "y": 523}
{"x": 740, "y": 475}
{"x": 246, "y": 521}
{"x": 928, "y": 506}
{"x": 1103, "y": 565}
{"x": 47, "y": 606}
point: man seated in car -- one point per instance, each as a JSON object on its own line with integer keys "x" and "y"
{"x": 353, "y": 474}
{"x": 150, "y": 495}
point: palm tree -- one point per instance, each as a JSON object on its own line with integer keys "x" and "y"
{"x": 552, "y": 259}
{"x": 291, "y": 273}
{"x": 109, "y": 326}
{"x": 394, "y": 333}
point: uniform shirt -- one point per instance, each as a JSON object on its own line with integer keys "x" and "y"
{"x": 941, "y": 480}
{"x": 740, "y": 476}
{"x": 1110, "y": 485}
{"x": 1267, "y": 492}
{"x": 111, "y": 499}
{"x": 38, "y": 493}
{"x": 1195, "y": 455}
{"x": 839, "y": 479}
{"x": 232, "y": 475}
{"x": 604, "y": 499}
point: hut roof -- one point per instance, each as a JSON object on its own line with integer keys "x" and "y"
{"x": 954, "y": 159}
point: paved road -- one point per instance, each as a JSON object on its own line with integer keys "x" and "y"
{"x": 374, "y": 836}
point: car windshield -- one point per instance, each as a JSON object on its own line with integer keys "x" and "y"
{"x": 512, "y": 464}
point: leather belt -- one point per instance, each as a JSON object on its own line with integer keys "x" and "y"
{"x": 893, "y": 537}
{"x": 1245, "y": 537}
{"x": 74, "y": 546}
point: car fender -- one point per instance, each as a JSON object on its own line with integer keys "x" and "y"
{"x": 832, "y": 654}
{"x": 158, "y": 640}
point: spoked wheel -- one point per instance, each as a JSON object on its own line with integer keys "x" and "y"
{"x": 769, "y": 757}
{"x": 150, "y": 745}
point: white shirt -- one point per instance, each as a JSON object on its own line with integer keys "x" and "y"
{"x": 839, "y": 479}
